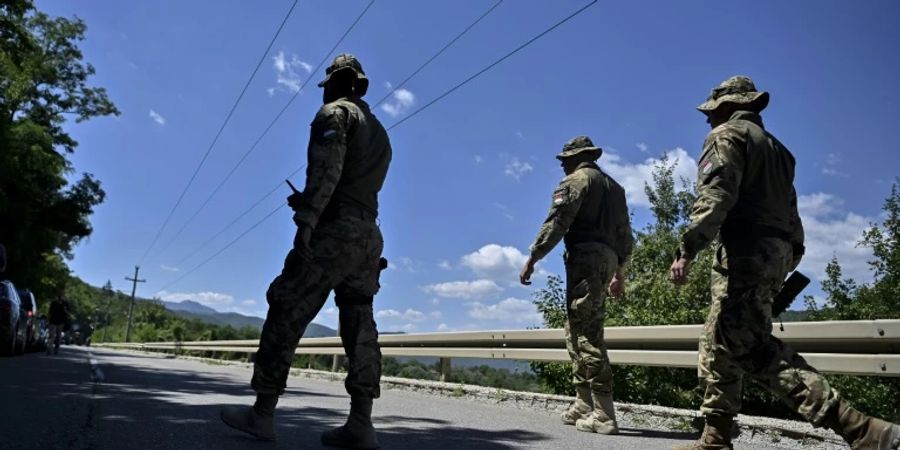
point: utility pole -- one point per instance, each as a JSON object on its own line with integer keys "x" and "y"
{"x": 135, "y": 281}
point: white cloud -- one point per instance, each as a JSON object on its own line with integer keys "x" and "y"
{"x": 388, "y": 85}
{"x": 832, "y": 232}
{"x": 642, "y": 147}
{"x": 504, "y": 210}
{"x": 249, "y": 302}
{"x": 496, "y": 262}
{"x": 478, "y": 159}
{"x": 410, "y": 315}
{"x": 520, "y": 135}
{"x": 435, "y": 301}
{"x": 286, "y": 71}
{"x": 435, "y": 315}
{"x": 212, "y": 299}
{"x": 157, "y": 117}
{"x": 443, "y": 327}
{"x": 463, "y": 289}
{"x": 403, "y": 264}
{"x": 517, "y": 169}
{"x": 832, "y": 161}
{"x": 633, "y": 176}
{"x": 166, "y": 268}
{"x": 445, "y": 265}
{"x": 401, "y": 100}
{"x": 511, "y": 310}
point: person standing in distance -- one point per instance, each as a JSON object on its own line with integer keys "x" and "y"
{"x": 746, "y": 196}
{"x": 337, "y": 248}
{"x": 588, "y": 211}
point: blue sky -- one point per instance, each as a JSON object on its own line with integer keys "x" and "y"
{"x": 472, "y": 175}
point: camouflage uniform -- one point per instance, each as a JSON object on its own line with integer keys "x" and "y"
{"x": 348, "y": 158}
{"x": 746, "y": 197}
{"x": 588, "y": 211}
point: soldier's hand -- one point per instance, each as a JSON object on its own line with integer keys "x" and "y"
{"x": 525, "y": 276}
{"x": 295, "y": 200}
{"x": 301, "y": 242}
{"x": 616, "y": 287}
{"x": 678, "y": 273}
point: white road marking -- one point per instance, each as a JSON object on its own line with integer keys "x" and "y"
{"x": 96, "y": 371}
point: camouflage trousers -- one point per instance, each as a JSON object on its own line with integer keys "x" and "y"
{"x": 346, "y": 254}
{"x": 737, "y": 337}
{"x": 589, "y": 269}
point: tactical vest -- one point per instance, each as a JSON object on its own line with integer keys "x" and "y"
{"x": 603, "y": 213}
{"x": 365, "y": 164}
{"x": 764, "y": 206}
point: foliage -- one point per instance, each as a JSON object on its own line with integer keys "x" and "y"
{"x": 476, "y": 375}
{"x": 106, "y": 311}
{"x": 43, "y": 80}
{"x": 848, "y": 300}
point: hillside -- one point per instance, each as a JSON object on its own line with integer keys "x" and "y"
{"x": 190, "y": 309}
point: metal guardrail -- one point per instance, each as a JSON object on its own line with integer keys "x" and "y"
{"x": 869, "y": 347}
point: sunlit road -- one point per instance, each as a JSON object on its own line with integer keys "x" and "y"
{"x": 125, "y": 400}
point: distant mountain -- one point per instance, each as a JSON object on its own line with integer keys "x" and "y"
{"x": 190, "y": 309}
{"x": 189, "y": 306}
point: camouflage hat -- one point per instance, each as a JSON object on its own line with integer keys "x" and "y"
{"x": 342, "y": 62}
{"x": 738, "y": 90}
{"x": 577, "y": 145}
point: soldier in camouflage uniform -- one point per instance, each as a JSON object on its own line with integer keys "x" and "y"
{"x": 337, "y": 248}
{"x": 588, "y": 211}
{"x": 746, "y": 196}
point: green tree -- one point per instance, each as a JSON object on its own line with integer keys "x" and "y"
{"x": 845, "y": 299}
{"x": 43, "y": 81}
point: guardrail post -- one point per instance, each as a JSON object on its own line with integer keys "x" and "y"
{"x": 445, "y": 369}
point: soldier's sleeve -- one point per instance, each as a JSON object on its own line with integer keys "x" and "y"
{"x": 718, "y": 182}
{"x": 797, "y": 234}
{"x": 564, "y": 207}
{"x": 325, "y": 162}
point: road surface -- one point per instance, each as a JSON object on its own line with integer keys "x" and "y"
{"x": 102, "y": 399}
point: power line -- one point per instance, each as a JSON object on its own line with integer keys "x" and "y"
{"x": 219, "y": 133}
{"x": 448, "y": 92}
{"x": 266, "y": 217}
{"x": 491, "y": 65}
{"x": 238, "y": 218}
{"x": 268, "y": 128}
{"x": 274, "y": 189}
{"x": 441, "y": 51}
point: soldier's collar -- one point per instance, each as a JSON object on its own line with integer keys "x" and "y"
{"x": 748, "y": 116}
{"x": 592, "y": 164}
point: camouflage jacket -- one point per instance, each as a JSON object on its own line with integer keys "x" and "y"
{"x": 745, "y": 188}
{"x": 348, "y": 158}
{"x": 588, "y": 206}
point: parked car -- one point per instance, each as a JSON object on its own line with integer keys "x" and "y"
{"x": 30, "y": 309}
{"x": 12, "y": 324}
{"x": 42, "y": 332}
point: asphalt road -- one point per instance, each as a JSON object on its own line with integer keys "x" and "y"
{"x": 102, "y": 399}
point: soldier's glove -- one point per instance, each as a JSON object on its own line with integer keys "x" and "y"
{"x": 295, "y": 200}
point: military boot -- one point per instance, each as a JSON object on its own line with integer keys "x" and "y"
{"x": 257, "y": 420}
{"x": 358, "y": 432}
{"x": 580, "y": 408}
{"x": 716, "y": 435}
{"x": 861, "y": 431}
{"x": 603, "y": 419}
